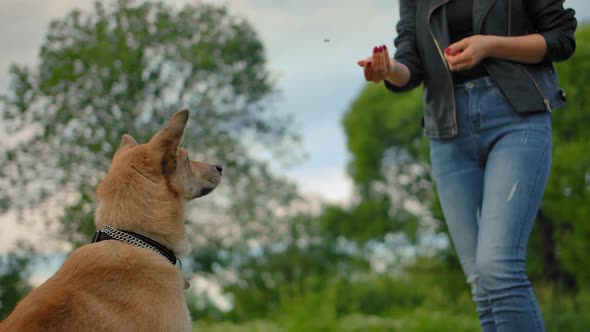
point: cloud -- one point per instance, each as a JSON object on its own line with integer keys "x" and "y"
{"x": 331, "y": 184}
{"x": 294, "y": 31}
{"x": 40, "y": 235}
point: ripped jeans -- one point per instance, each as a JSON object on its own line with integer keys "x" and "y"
{"x": 490, "y": 180}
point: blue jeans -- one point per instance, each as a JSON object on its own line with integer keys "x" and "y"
{"x": 490, "y": 180}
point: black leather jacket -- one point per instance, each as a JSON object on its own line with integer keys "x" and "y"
{"x": 423, "y": 34}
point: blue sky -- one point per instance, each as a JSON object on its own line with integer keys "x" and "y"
{"x": 318, "y": 79}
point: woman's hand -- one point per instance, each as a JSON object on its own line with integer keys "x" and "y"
{"x": 378, "y": 66}
{"x": 468, "y": 52}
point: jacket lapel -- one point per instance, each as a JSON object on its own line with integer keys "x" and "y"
{"x": 437, "y": 20}
{"x": 480, "y": 10}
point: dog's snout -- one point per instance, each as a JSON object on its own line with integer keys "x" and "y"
{"x": 219, "y": 168}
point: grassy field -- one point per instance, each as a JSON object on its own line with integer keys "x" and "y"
{"x": 418, "y": 321}
{"x": 412, "y": 322}
{"x": 318, "y": 312}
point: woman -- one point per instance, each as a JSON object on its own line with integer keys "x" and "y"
{"x": 489, "y": 86}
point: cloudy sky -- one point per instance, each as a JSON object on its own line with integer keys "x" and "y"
{"x": 319, "y": 79}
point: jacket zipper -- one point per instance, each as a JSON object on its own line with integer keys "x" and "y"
{"x": 545, "y": 100}
{"x": 509, "y": 17}
{"x": 455, "y": 129}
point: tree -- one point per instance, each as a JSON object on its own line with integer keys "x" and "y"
{"x": 390, "y": 160}
{"x": 124, "y": 68}
{"x": 13, "y": 281}
{"x": 565, "y": 210}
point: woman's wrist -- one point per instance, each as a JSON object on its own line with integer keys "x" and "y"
{"x": 398, "y": 75}
{"x": 392, "y": 72}
{"x": 493, "y": 45}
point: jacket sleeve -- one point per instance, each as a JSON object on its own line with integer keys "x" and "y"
{"x": 557, "y": 25}
{"x": 406, "y": 46}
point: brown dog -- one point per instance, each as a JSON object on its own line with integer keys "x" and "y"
{"x": 128, "y": 282}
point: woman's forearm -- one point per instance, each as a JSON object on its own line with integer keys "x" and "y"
{"x": 399, "y": 74}
{"x": 524, "y": 49}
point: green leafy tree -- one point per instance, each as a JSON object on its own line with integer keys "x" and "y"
{"x": 562, "y": 227}
{"x": 13, "y": 281}
{"x": 389, "y": 165}
{"x": 304, "y": 263}
{"x": 125, "y": 67}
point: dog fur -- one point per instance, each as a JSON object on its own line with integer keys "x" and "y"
{"x": 114, "y": 286}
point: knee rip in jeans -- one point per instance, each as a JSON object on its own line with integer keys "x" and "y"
{"x": 472, "y": 280}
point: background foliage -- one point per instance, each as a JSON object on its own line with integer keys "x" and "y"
{"x": 382, "y": 263}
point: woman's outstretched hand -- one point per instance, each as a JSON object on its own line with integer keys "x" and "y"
{"x": 378, "y": 66}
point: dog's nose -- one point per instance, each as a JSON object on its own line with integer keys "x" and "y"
{"x": 219, "y": 168}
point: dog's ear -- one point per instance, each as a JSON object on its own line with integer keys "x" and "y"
{"x": 167, "y": 140}
{"x": 127, "y": 142}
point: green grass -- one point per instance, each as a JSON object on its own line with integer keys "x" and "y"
{"x": 417, "y": 321}
{"x": 253, "y": 326}
{"x": 317, "y": 312}
{"x": 376, "y": 305}
{"x": 322, "y": 312}
{"x": 564, "y": 312}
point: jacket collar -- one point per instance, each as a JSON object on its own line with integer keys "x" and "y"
{"x": 480, "y": 10}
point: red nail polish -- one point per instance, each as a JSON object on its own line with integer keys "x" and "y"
{"x": 380, "y": 49}
{"x": 384, "y": 47}
{"x": 448, "y": 50}
{"x": 375, "y": 49}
